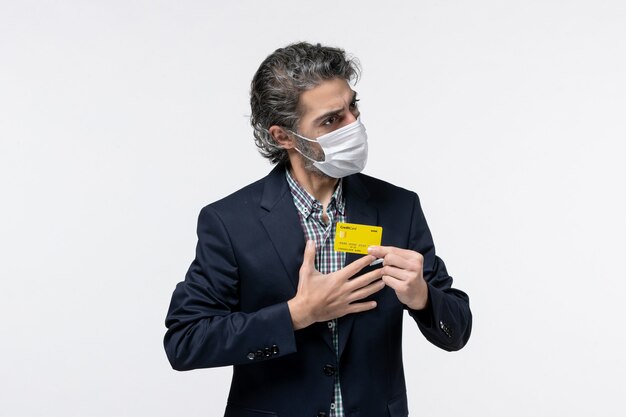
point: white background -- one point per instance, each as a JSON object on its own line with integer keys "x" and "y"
{"x": 119, "y": 120}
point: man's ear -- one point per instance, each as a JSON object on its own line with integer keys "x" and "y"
{"x": 281, "y": 137}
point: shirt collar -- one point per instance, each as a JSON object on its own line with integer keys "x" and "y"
{"x": 307, "y": 204}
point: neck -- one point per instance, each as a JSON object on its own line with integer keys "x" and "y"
{"x": 320, "y": 186}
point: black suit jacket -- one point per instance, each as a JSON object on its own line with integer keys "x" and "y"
{"x": 231, "y": 309}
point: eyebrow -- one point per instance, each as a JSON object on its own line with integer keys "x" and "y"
{"x": 333, "y": 112}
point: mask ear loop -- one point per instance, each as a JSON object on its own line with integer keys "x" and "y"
{"x": 307, "y": 157}
{"x": 299, "y": 151}
{"x": 301, "y": 137}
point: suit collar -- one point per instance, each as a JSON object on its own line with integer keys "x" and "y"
{"x": 275, "y": 187}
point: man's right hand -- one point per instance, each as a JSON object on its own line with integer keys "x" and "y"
{"x": 325, "y": 297}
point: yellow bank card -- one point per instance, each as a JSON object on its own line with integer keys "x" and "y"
{"x": 356, "y": 238}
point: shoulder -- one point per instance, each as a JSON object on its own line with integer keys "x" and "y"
{"x": 250, "y": 197}
{"x": 243, "y": 196}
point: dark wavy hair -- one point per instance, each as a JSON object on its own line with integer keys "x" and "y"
{"x": 277, "y": 84}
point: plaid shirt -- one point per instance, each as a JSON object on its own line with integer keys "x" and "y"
{"x": 326, "y": 259}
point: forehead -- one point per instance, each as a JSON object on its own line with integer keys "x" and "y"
{"x": 328, "y": 96}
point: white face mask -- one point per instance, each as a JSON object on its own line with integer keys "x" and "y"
{"x": 345, "y": 150}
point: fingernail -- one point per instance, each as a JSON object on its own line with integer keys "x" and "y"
{"x": 371, "y": 248}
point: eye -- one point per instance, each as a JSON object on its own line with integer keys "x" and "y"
{"x": 354, "y": 102}
{"x": 330, "y": 120}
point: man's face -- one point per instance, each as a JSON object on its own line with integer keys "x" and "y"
{"x": 324, "y": 108}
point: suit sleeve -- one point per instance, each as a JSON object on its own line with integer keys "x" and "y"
{"x": 447, "y": 320}
{"x": 204, "y": 325}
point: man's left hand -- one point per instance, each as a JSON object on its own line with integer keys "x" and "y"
{"x": 402, "y": 271}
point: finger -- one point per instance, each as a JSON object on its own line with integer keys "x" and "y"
{"x": 353, "y": 268}
{"x": 392, "y": 283}
{"x": 361, "y": 307}
{"x": 308, "y": 261}
{"x": 379, "y": 251}
{"x": 365, "y": 292}
{"x": 399, "y": 261}
{"x": 364, "y": 280}
{"x": 382, "y": 251}
{"x": 398, "y": 273}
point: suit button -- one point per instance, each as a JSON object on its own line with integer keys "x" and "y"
{"x": 446, "y": 329}
{"x": 258, "y": 354}
{"x": 267, "y": 352}
{"x": 275, "y": 350}
{"x": 329, "y": 370}
{"x": 250, "y": 356}
{"x": 321, "y": 414}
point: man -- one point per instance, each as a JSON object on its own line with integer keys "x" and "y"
{"x": 311, "y": 331}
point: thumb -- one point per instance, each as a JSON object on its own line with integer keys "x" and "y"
{"x": 308, "y": 262}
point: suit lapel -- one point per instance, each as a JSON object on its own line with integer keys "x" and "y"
{"x": 358, "y": 211}
{"x": 282, "y": 223}
{"x": 283, "y": 227}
